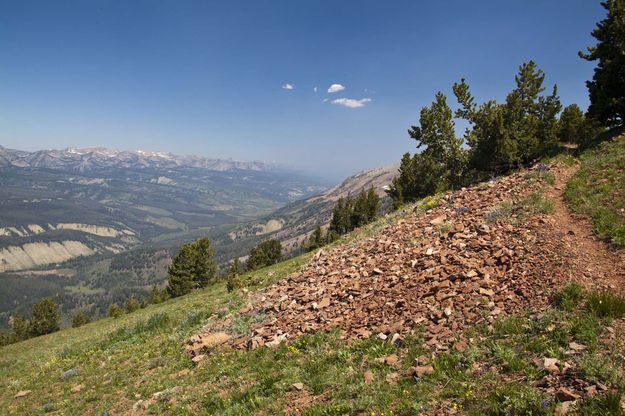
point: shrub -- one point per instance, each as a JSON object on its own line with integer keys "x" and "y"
{"x": 158, "y": 295}
{"x": 4, "y": 338}
{"x": 46, "y": 317}
{"x": 233, "y": 281}
{"x": 80, "y": 319}
{"x": 132, "y": 305}
{"x": 20, "y": 328}
{"x": 608, "y": 404}
{"x": 316, "y": 240}
{"x": 115, "y": 311}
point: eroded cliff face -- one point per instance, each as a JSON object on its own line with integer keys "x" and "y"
{"x": 19, "y": 252}
{"x": 31, "y": 255}
{"x": 36, "y": 229}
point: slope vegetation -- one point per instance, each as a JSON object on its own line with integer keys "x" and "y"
{"x": 460, "y": 304}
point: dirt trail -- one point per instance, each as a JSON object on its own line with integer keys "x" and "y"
{"x": 591, "y": 261}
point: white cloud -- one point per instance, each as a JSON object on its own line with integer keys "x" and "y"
{"x": 336, "y": 88}
{"x": 351, "y": 102}
{"x": 288, "y": 86}
{"x": 325, "y": 100}
{"x": 315, "y": 89}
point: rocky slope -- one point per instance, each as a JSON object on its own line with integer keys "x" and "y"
{"x": 481, "y": 252}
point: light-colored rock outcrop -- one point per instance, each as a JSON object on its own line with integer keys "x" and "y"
{"x": 93, "y": 229}
{"x": 39, "y": 254}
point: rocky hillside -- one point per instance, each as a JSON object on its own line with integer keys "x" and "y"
{"x": 491, "y": 300}
{"x": 293, "y": 223}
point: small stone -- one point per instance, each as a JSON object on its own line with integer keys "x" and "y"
{"x": 438, "y": 220}
{"x": 551, "y": 365}
{"x": 382, "y": 336}
{"x": 576, "y": 347}
{"x": 368, "y": 377}
{"x": 297, "y": 386}
{"x": 22, "y": 393}
{"x": 276, "y": 341}
{"x": 461, "y": 346}
{"x": 377, "y": 271}
{"x": 77, "y": 388}
{"x": 565, "y": 395}
{"x": 421, "y": 371}
{"x": 198, "y": 358}
{"x": 325, "y": 302}
{"x": 396, "y": 339}
{"x": 391, "y": 378}
{"x": 487, "y": 292}
{"x": 591, "y": 390}
{"x": 69, "y": 373}
{"x": 563, "y": 408}
{"x": 471, "y": 273}
{"x": 391, "y": 359}
{"x": 140, "y": 405}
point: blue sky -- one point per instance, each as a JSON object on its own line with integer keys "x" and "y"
{"x": 207, "y": 78}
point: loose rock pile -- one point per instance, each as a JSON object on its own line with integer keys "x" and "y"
{"x": 456, "y": 265}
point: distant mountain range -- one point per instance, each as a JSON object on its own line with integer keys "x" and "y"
{"x": 96, "y": 158}
{"x": 58, "y": 205}
{"x": 95, "y": 226}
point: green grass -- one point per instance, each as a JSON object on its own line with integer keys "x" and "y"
{"x": 569, "y": 297}
{"x": 537, "y": 176}
{"x": 520, "y": 209}
{"x": 598, "y": 190}
{"x": 605, "y": 304}
{"x": 122, "y": 361}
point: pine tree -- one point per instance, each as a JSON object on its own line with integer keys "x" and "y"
{"x": 316, "y": 240}
{"x": 265, "y": 254}
{"x": 233, "y": 275}
{"x": 115, "y": 311}
{"x": 607, "y": 88}
{"x": 80, "y": 319}
{"x": 20, "y": 328}
{"x": 373, "y": 204}
{"x": 158, "y": 295}
{"x": 360, "y": 211}
{"x": 46, "y": 317}
{"x": 192, "y": 267}
{"x": 441, "y": 164}
{"x": 342, "y": 216}
{"x": 506, "y": 136}
{"x": 574, "y": 127}
{"x": 5, "y": 338}
{"x": 132, "y": 304}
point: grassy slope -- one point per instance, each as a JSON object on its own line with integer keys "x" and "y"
{"x": 598, "y": 190}
{"x": 120, "y": 362}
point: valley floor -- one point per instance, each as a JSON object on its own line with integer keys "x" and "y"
{"x": 495, "y": 299}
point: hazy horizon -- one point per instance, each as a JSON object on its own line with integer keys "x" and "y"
{"x": 328, "y": 88}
